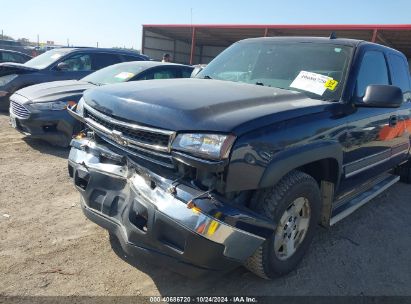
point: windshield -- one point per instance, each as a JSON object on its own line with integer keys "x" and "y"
{"x": 121, "y": 72}
{"x": 316, "y": 69}
{"x": 44, "y": 60}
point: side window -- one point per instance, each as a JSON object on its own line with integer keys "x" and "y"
{"x": 187, "y": 73}
{"x": 78, "y": 62}
{"x": 160, "y": 73}
{"x": 399, "y": 73}
{"x": 102, "y": 60}
{"x": 21, "y": 58}
{"x": 165, "y": 74}
{"x": 145, "y": 76}
{"x": 373, "y": 70}
{"x": 11, "y": 57}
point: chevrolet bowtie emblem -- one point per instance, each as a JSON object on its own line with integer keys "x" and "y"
{"x": 118, "y": 138}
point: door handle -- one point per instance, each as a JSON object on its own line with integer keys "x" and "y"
{"x": 393, "y": 121}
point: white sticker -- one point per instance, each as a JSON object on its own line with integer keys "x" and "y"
{"x": 310, "y": 82}
{"x": 124, "y": 75}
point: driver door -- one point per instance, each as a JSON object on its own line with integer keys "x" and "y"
{"x": 371, "y": 132}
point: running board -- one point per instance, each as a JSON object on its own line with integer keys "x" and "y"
{"x": 346, "y": 208}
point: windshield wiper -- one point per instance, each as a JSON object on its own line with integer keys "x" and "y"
{"x": 260, "y": 84}
{"x": 207, "y": 77}
{"x": 95, "y": 83}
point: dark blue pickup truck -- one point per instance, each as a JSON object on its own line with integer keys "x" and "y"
{"x": 238, "y": 166}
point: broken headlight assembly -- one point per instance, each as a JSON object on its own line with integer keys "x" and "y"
{"x": 79, "y": 107}
{"x": 210, "y": 146}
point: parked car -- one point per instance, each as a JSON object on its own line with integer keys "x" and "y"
{"x": 239, "y": 165}
{"x": 13, "y": 56}
{"x": 58, "y": 64}
{"x": 39, "y": 111}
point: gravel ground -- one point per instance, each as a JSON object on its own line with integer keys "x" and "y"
{"x": 47, "y": 246}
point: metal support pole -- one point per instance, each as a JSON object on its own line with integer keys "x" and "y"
{"x": 374, "y": 35}
{"x": 143, "y": 39}
{"x": 266, "y": 32}
{"x": 193, "y": 45}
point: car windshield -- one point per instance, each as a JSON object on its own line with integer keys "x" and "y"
{"x": 44, "y": 60}
{"x": 316, "y": 69}
{"x": 121, "y": 72}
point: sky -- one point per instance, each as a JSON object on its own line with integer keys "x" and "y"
{"x": 119, "y": 22}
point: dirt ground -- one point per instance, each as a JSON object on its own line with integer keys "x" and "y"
{"x": 48, "y": 247}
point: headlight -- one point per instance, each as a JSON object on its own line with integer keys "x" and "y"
{"x": 80, "y": 107}
{"x": 51, "y": 106}
{"x": 214, "y": 146}
{"x": 6, "y": 79}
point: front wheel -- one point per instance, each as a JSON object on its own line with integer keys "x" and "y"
{"x": 294, "y": 204}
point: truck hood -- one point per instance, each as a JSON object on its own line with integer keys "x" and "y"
{"x": 199, "y": 104}
{"x": 8, "y": 68}
{"x": 56, "y": 90}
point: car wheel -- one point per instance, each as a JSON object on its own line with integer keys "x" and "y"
{"x": 294, "y": 204}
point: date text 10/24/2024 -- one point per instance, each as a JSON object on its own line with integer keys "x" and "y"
{"x": 203, "y": 299}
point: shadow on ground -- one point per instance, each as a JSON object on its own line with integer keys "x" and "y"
{"x": 45, "y": 147}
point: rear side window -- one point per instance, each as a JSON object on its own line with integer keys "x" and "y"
{"x": 102, "y": 60}
{"x": 399, "y": 72}
{"x": 373, "y": 70}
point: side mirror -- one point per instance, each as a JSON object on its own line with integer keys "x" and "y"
{"x": 62, "y": 66}
{"x": 382, "y": 96}
{"x": 197, "y": 69}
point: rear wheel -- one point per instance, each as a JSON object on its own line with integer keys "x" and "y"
{"x": 294, "y": 204}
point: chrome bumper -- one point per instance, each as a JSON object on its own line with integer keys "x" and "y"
{"x": 152, "y": 189}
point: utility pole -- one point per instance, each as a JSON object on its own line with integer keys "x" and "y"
{"x": 2, "y": 36}
{"x": 38, "y": 40}
{"x": 68, "y": 42}
{"x": 97, "y": 44}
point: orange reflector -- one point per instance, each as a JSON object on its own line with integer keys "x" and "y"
{"x": 80, "y": 135}
{"x": 190, "y": 205}
{"x": 196, "y": 210}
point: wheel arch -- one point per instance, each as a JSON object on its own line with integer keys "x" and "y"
{"x": 322, "y": 161}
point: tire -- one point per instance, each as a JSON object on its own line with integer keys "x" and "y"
{"x": 271, "y": 260}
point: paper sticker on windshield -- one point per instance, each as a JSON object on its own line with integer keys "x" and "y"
{"x": 55, "y": 56}
{"x": 124, "y": 75}
{"x": 331, "y": 84}
{"x": 310, "y": 82}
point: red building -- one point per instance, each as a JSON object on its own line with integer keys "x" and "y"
{"x": 200, "y": 43}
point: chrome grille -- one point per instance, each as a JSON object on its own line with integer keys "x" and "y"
{"x": 139, "y": 141}
{"x": 146, "y": 138}
{"x": 19, "y": 110}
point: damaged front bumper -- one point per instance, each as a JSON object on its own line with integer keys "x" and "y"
{"x": 137, "y": 206}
